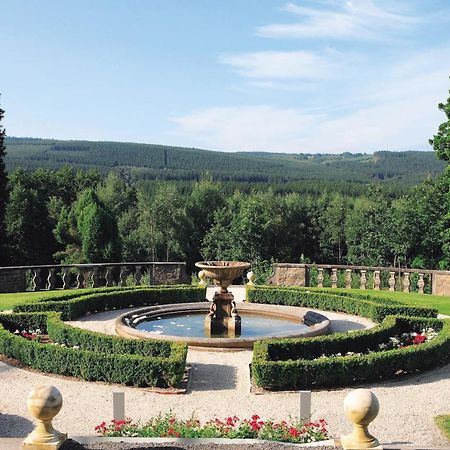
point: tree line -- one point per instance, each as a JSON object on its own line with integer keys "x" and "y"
{"x": 77, "y": 216}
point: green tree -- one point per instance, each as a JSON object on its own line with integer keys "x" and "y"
{"x": 441, "y": 140}
{"x": 3, "y": 192}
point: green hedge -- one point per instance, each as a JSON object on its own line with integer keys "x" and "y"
{"x": 100, "y": 357}
{"x": 290, "y": 364}
{"x": 374, "y": 308}
{"x": 73, "y": 306}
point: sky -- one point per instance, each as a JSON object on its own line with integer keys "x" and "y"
{"x": 323, "y": 76}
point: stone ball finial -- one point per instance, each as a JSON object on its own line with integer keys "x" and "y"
{"x": 251, "y": 277}
{"x": 361, "y": 406}
{"x": 44, "y": 403}
{"x": 202, "y": 277}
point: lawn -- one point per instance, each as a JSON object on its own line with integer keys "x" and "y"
{"x": 7, "y": 301}
{"x": 443, "y": 423}
{"x": 441, "y": 303}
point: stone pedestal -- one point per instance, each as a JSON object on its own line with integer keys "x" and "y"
{"x": 223, "y": 316}
{"x": 287, "y": 274}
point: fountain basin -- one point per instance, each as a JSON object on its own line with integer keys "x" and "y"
{"x": 309, "y": 324}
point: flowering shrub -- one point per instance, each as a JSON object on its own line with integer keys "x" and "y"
{"x": 231, "y": 427}
{"x": 31, "y": 335}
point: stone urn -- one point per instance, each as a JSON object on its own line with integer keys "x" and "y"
{"x": 223, "y": 272}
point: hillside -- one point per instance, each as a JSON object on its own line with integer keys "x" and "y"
{"x": 150, "y": 162}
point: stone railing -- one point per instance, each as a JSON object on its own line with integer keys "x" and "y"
{"x": 361, "y": 277}
{"x": 78, "y": 276}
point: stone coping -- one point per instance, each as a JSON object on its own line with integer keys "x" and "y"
{"x": 238, "y": 443}
{"x": 318, "y": 324}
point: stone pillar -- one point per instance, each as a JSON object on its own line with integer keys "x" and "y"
{"x": 406, "y": 282}
{"x": 361, "y": 407}
{"x": 109, "y": 276}
{"x": 376, "y": 280}
{"x": 36, "y": 279}
{"x": 251, "y": 277}
{"x": 44, "y": 403}
{"x": 420, "y": 283}
{"x": 363, "y": 280}
{"x": 441, "y": 282}
{"x": 334, "y": 278}
{"x": 65, "y": 278}
{"x": 391, "y": 281}
{"x": 95, "y": 279}
{"x": 123, "y": 276}
{"x": 138, "y": 275}
{"x": 320, "y": 278}
{"x": 288, "y": 274}
{"x": 80, "y": 279}
{"x": 51, "y": 279}
{"x": 348, "y": 278}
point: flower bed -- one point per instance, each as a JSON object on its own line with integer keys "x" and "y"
{"x": 95, "y": 356}
{"x": 231, "y": 427}
{"x": 344, "y": 359}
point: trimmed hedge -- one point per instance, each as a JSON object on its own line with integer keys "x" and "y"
{"x": 137, "y": 363}
{"x": 374, "y": 308}
{"x": 290, "y": 364}
{"x": 73, "y": 306}
{"x": 100, "y": 357}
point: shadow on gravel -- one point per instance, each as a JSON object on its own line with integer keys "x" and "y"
{"x": 12, "y": 426}
{"x": 212, "y": 377}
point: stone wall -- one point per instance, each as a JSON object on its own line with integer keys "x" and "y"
{"x": 441, "y": 283}
{"x": 12, "y": 280}
{"x": 286, "y": 274}
{"x": 169, "y": 274}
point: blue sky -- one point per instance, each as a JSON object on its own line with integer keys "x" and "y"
{"x": 303, "y": 76}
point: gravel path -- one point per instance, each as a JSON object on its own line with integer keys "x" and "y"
{"x": 220, "y": 386}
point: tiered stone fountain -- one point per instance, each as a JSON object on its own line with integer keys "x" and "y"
{"x": 223, "y": 315}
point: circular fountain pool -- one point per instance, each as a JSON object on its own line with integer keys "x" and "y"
{"x": 186, "y": 323}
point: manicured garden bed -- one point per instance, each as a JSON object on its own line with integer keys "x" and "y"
{"x": 95, "y": 356}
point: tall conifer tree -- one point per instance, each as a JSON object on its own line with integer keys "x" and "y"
{"x": 3, "y": 190}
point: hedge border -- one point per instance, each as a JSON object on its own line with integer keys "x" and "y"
{"x": 291, "y": 364}
{"x": 101, "y": 357}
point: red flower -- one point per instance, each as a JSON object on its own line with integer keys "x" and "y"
{"x": 101, "y": 427}
{"x": 419, "y": 339}
{"x": 255, "y": 417}
{"x": 294, "y": 432}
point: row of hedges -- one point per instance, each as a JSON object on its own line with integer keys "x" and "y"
{"x": 372, "y": 307}
{"x": 137, "y": 363}
{"x": 99, "y": 357}
{"x": 290, "y": 364}
{"x": 72, "y": 306}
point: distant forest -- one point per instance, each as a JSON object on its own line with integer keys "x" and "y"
{"x": 306, "y": 173}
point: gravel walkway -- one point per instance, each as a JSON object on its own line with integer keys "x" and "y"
{"x": 220, "y": 386}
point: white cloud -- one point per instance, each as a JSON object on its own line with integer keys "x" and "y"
{"x": 363, "y": 19}
{"x": 396, "y": 112}
{"x": 281, "y": 64}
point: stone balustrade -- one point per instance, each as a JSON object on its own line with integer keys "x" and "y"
{"x": 78, "y": 276}
{"x": 361, "y": 277}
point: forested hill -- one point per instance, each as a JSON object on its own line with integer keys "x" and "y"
{"x": 148, "y": 161}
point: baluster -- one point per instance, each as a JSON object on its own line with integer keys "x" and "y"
{"x": 363, "y": 280}
{"x": 80, "y": 279}
{"x": 391, "y": 281}
{"x": 320, "y": 278}
{"x": 109, "y": 276}
{"x": 95, "y": 279}
{"x": 138, "y": 275}
{"x": 376, "y": 280}
{"x": 348, "y": 278}
{"x": 420, "y": 283}
{"x": 51, "y": 280}
{"x": 406, "y": 282}
{"x": 123, "y": 276}
{"x": 37, "y": 279}
{"x": 334, "y": 278}
{"x": 65, "y": 278}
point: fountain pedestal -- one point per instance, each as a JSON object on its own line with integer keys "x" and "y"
{"x": 223, "y": 315}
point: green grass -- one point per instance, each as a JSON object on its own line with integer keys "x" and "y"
{"x": 443, "y": 423}
{"x": 8, "y": 301}
{"x": 441, "y": 303}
